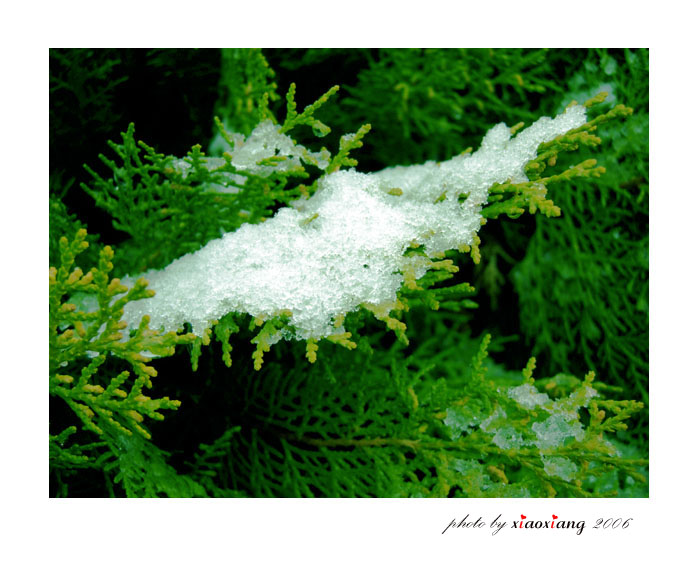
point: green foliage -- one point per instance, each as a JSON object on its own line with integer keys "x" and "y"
{"x": 69, "y": 457}
{"x": 61, "y": 223}
{"x": 82, "y": 84}
{"x": 82, "y": 339}
{"x": 583, "y": 284}
{"x": 170, "y": 206}
{"x": 433, "y": 424}
{"x": 166, "y": 211}
{"x": 411, "y": 406}
{"x": 245, "y": 90}
{"x": 144, "y": 473}
{"x": 307, "y": 116}
{"x": 511, "y": 198}
{"x": 424, "y": 103}
{"x": 348, "y": 143}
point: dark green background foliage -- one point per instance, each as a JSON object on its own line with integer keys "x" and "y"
{"x": 384, "y": 419}
{"x": 594, "y": 314}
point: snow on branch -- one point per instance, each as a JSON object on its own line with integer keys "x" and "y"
{"x": 344, "y": 247}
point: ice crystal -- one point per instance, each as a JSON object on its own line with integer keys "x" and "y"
{"x": 487, "y": 424}
{"x": 508, "y": 437}
{"x": 555, "y": 430}
{"x": 560, "y": 467}
{"x": 463, "y": 419}
{"x": 528, "y": 396}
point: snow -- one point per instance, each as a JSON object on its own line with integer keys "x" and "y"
{"x": 344, "y": 247}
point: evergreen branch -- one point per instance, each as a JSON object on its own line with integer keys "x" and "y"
{"x": 348, "y": 142}
{"x": 97, "y": 333}
{"x": 295, "y": 119}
